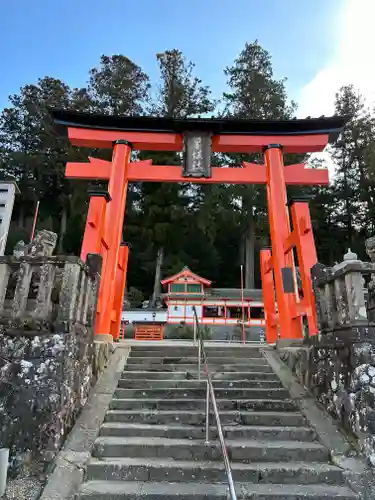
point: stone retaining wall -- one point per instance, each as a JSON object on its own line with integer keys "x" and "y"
{"x": 47, "y": 363}
{"x": 338, "y": 364}
{"x": 342, "y": 378}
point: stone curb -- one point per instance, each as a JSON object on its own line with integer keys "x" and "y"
{"x": 360, "y": 477}
{"x": 70, "y": 464}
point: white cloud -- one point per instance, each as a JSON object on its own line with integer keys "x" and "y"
{"x": 352, "y": 63}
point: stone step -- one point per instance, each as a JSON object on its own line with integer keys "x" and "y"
{"x": 126, "y": 383}
{"x": 194, "y": 361}
{"x": 198, "y": 418}
{"x": 138, "y": 351}
{"x": 159, "y": 349}
{"x": 162, "y": 375}
{"x": 200, "y": 404}
{"x": 135, "y": 469}
{"x": 184, "y": 449}
{"x": 128, "y": 490}
{"x": 185, "y": 375}
{"x": 234, "y": 352}
{"x": 174, "y": 431}
{"x": 159, "y": 367}
{"x": 200, "y": 392}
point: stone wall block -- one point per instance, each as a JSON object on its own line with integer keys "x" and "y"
{"x": 340, "y": 305}
{"x": 70, "y": 292}
{"x": 356, "y": 298}
{"x": 21, "y": 294}
{"x": 94, "y": 265}
{"x": 329, "y": 297}
{"x": 43, "y": 305}
{"x": 5, "y": 272}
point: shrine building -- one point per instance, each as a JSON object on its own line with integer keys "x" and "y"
{"x": 220, "y": 309}
{"x": 214, "y": 306}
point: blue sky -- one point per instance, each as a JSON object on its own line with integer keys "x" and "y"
{"x": 65, "y": 38}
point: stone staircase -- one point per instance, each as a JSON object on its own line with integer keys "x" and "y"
{"x": 152, "y": 443}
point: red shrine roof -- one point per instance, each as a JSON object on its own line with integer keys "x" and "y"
{"x": 187, "y": 275}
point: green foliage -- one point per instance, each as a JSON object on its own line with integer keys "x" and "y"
{"x": 186, "y": 332}
{"x": 353, "y": 187}
{"x": 253, "y": 93}
{"x": 206, "y": 332}
{"x": 118, "y": 87}
{"x": 134, "y": 297}
{"x": 211, "y": 228}
{"x": 165, "y": 208}
{"x": 15, "y": 235}
{"x": 180, "y": 93}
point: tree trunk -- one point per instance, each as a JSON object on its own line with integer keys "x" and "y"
{"x": 21, "y": 216}
{"x": 63, "y": 223}
{"x": 242, "y": 252}
{"x": 249, "y": 249}
{"x": 157, "y": 284}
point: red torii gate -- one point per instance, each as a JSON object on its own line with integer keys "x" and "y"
{"x": 198, "y": 138}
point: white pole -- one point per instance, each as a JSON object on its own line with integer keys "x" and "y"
{"x": 4, "y": 459}
{"x": 207, "y": 413}
{"x": 34, "y": 222}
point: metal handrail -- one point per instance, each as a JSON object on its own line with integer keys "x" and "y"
{"x": 210, "y": 395}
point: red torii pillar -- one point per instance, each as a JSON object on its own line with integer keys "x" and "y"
{"x": 103, "y": 234}
{"x": 113, "y": 227}
{"x": 270, "y": 314}
{"x": 119, "y": 289}
{"x": 302, "y": 238}
{"x": 283, "y": 263}
{"x": 93, "y": 238}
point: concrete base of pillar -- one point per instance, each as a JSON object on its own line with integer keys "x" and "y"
{"x": 282, "y": 343}
{"x": 103, "y": 337}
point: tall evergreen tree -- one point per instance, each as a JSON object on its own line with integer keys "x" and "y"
{"x": 118, "y": 87}
{"x": 32, "y": 153}
{"x": 180, "y": 94}
{"x": 164, "y": 207}
{"x": 254, "y": 93}
{"x": 354, "y": 187}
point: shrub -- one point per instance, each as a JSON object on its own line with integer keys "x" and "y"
{"x": 186, "y": 332}
{"x": 182, "y": 332}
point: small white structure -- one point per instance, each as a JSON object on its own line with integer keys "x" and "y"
{"x": 132, "y": 316}
{"x": 8, "y": 191}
